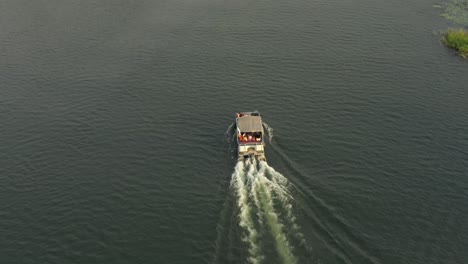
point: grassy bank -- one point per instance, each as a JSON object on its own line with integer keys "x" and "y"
{"x": 457, "y": 39}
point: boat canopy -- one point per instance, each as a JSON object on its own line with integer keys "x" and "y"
{"x": 249, "y": 124}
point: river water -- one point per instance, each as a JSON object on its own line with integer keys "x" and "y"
{"x": 115, "y": 132}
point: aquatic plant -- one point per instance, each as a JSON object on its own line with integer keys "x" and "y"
{"x": 457, "y": 11}
{"x": 457, "y": 39}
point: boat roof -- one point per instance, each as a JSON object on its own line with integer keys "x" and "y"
{"x": 249, "y": 123}
{"x": 254, "y": 113}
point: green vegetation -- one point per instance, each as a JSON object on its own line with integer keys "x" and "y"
{"x": 457, "y": 11}
{"x": 457, "y": 39}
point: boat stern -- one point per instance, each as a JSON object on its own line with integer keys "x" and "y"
{"x": 251, "y": 150}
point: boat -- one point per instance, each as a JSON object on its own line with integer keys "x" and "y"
{"x": 250, "y": 135}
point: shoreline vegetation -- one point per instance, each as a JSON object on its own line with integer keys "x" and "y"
{"x": 456, "y": 11}
{"x": 457, "y": 39}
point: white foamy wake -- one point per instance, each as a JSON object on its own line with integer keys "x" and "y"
{"x": 265, "y": 210}
{"x": 240, "y": 183}
{"x": 229, "y": 134}
{"x": 269, "y": 131}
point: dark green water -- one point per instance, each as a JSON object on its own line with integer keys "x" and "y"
{"x": 113, "y": 114}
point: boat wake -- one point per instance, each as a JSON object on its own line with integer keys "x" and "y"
{"x": 265, "y": 211}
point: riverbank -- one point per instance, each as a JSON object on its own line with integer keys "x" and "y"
{"x": 457, "y": 39}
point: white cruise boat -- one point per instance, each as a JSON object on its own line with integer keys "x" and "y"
{"x": 250, "y": 135}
